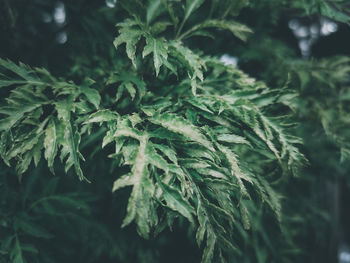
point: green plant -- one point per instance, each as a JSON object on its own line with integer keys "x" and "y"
{"x": 201, "y": 145}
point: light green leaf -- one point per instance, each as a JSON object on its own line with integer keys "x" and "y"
{"x": 193, "y": 63}
{"x": 155, "y": 159}
{"x": 7, "y": 83}
{"x": 231, "y": 138}
{"x": 130, "y": 88}
{"x": 140, "y": 201}
{"x": 92, "y": 95}
{"x": 130, "y": 36}
{"x": 175, "y": 200}
{"x": 236, "y": 171}
{"x": 208, "y": 252}
{"x": 159, "y": 48}
{"x": 102, "y": 116}
{"x": 70, "y": 139}
{"x": 125, "y": 180}
{"x": 50, "y": 144}
{"x": 127, "y": 80}
{"x": 154, "y": 9}
{"x": 16, "y": 115}
{"x": 239, "y": 30}
{"x": 71, "y": 147}
{"x": 182, "y": 126}
{"x": 167, "y": 151}
{"x": 21, "y": 70}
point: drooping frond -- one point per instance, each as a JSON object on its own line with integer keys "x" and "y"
{"x": 191, "y": 137}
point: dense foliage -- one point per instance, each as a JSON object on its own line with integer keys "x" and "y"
{"x": 172, "y": 146}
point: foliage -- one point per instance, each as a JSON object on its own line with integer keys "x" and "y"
{"x": 197, "y": 144}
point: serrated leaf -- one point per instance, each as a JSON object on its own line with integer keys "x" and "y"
{"x": 50, "y": 144}
{"x": 70, "y": 140}
{"x": 182, "y": 126}
{"x": 208, "y": 252}
{"x": 92, "y": 95}
{"x": 71, "y": 148}
{"x": 139, "y": 204}
{"x": 125, "y": 180}
{"x": 130, "y": 88}
{"x": 21, "y": 70}
{"x": 236, "y": 171}
{"x": 176, "y": 201}
{"x": 237, "y": 29}
{"x": 167, "y": 151}
{"x": 159, "y": 48}
{"x": 102, "y": 116}
{"x": 130, "y": 36}
{"x": 16, "y": 115}
{"x": 127, "y": 80}
{"x": 193, "y": 63}
{"x": 244, "y": 215}
{"x": 155, "y": 159}
{"x": 231, "y": 138}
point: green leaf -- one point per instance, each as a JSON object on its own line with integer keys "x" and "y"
{"x": 154, "y": 9}
{"x": 332, "y": 12}
{"x": 191, "y": 6}
{"x": 102, "y": 116}
{"x": 159, "y": 27}
{"x": 182, "y": 126}
{"x": 92, "y": 95}
{"x": 125, "y": 180}
{"x": 50, "y": 144}
{"x": 169, "y": 5}
{"x": 130, "y": 36}
{"x": 140, "y": 201}
{"x": 134, "y": 7}
{"x": 192, "y": 62}
{"x": 132, "y": 83}
{"x": 175, "y": 200}
{"x": 208, "y": 252}
{"x": 159, "y": 48}
{"x": 7, "y": 83}
{"x": 239, "y": 30}
{"x": 231, "y": 138}
{"x": 70, "y": 147}
{"x": 16, "y": 253}
{"x": 33, "y": 229}
{"x": 155, "y": 159}
{"x": 16, "y": 115}
{"x": 236, "y": 171}
{"x": 70, "y": 139}
{"x": 167, "y": 151}
{"x": 130, "y": 88}
{"x": 21, "y": 70}
{"x": 30, "y": 248}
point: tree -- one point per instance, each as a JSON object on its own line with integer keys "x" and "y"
{"x": 162, "y": 133}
